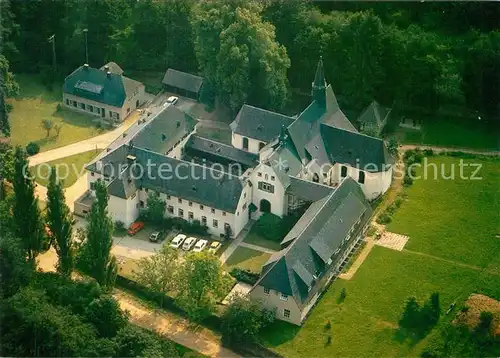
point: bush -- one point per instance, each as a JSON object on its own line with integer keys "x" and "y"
{"x": 407, "y": 180}
{"x": 428, "y": 152}
{"x": 274, "y": 228}
{"x": 32, "y": 148}
{"x": 384, "y": 218}
{"x": 245, "y": 276}
{"x": 119, "y": 225}
{"x": 59, "y": 107}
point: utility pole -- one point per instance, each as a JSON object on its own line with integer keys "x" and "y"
{"x": 85, "y": 31}
{"x": 53, "y": 40}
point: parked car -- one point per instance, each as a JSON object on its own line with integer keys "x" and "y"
{"x": 177, "y": 241}
{"x": 200, "y": 245}
{"x": 156, "y": 236}
{"x": 172, "y": 100}
{"x": 188, "y": 244}
{"x": 214, "y": 247}
{"x": 135, "y": 228}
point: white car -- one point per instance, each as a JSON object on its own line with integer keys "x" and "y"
{"x": 172, "y": 100}
{"x": 214, "y": 247}
{"x": 200, "y": 245}
{"x": 178, "y": 240}
{"x": 188, "y": 244}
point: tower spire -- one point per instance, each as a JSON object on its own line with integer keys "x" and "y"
{"x": 319, "y": 85}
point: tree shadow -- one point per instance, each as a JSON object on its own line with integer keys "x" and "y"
{"x": 278, "y": 333}
{"x": 403, "y": 336}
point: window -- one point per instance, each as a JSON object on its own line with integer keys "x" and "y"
{"x": 223, "y": 213}
{"x": 201, "y": 207}
{"x": 98, "y": 110}
{"x": 82, "y": 105}
{"x": 190, "y": 203}
{"x": 266, "y": 177}
{"x": 179, "y": 201}
{"x": 204, "y": 220}
{"x": 190, "y": 215}
{"x": 244, "y": 195}
{"x": 67, "y": 101}
{"x": 266, "y": 187}
{"x": 92, "y": 174}
{"x": 245, "y": 206}
{"x": 283, "y": 297}
{"x": 286, "y": 313}
{"x": 245, "y": 143}
{"x": 215, "y": 223}
{"x": 343, "y": 171}
{"x": 92, "y": 186}
{"x": 90, "y": 108}
{"x": 181, "y": 212}
{"x": 259, "y": 174}
{"x": 170, "y": 209}
{"x": 261, "y": 145}
{"x": 75, "y": 103}
{"x": 272, "y": 177}
{"x": 267, "y": 291}
{"x": 168, "y": 197}
{"x": 213, "y": 211}
{"x": 361, "y": 178}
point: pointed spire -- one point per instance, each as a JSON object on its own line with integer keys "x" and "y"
{"x": 319, "y": 79}
{"x": 318, "y": 92}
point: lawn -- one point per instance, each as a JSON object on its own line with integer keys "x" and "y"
{"x": 217, "y": 134}
{"x": 366, "y": 322}
{"x": 247, "y": 259}
{"x": 454, "y": 219}
{"x": 36, "y": 103}
{"x": 453, "y": 133}
{"x": 69, "y": 169}
{"x": 256, "y": 239}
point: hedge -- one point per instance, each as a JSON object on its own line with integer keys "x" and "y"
{"x": 245, "y": 276}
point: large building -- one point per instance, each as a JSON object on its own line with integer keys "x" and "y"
{"x": 275, "y": 164}
{"x": 103, "y": 92}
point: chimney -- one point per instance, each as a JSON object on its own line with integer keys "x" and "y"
{"x": 86, "y": 66}
{"x": 108, "y": 74}
{"x": 106, "y": 68}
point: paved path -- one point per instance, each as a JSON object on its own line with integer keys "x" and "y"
{"x": 406, "y": 147}
{"x": 257, "y": 248}
{"x": 370, "y": 242}
{"x": 236, "y": 242}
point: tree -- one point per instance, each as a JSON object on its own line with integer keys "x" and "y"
{"x": 60, "y": 221}
{"x": 228, "y": 232}
{"x": 199, "y": 279}
{"x": 105, "y": 314}
{"x": 243, "y": 320}
{"x": 28, "y": 224}
{"x": 132, "y": 341}
{"x": 57, "y": 128}
{"x": 156, "y": 209}
{"x": 158, "y": 272}
{"x": 8, "y": 88}
{"x": 47, "y": 124}
{"x": 95, "y": 255}
{"x": 393, "y": 147}
{"x": 15, "y": 272}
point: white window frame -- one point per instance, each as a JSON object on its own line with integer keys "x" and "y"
{"x": 285, "y": 311}
{"x": 283, "y": 297}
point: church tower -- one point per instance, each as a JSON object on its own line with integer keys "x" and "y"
{"x": 318, "y": 92}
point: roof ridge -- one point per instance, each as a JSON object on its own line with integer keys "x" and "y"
{"x": 355, "y": 133}
{"x": 266, "y": 110}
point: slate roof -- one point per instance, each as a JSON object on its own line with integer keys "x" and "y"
{"x": 355, "y": 149}
{"x": 308, "y": 190}
{"x": 317, "y": 237}
{"x": 374, "y": 116}
{"x": 183, "y": 80}
{"x": 182, "y": 179}
{"x": 258, "y": 123}
{"x": 221, "y": 150}
{"x": 285, "y": 161}
{"x": 162, "y": 133}
{"x": 113, "y": 67}
{"x": 97, "y": 85}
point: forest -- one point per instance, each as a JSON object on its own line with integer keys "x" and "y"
{"x": 418, "y": 56}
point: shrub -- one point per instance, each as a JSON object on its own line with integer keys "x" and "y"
{"x": 384, "y": 218}
{"x": 245, "y": 276}
{"x": 407, "y": 180}
{"x": 428, "y": 152}
{"x": 59, "y": 107}
{"x": 32, "y": 148}
{"x": 119, "y": 225}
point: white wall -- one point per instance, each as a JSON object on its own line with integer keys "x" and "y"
{"x": 125, "y": 210}
{"x": 375, "y": 184}
{"x": 277, "y": 198}
{"x": 253, "y": 144}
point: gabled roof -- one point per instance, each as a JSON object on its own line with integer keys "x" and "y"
{"x": 285, "y": 161}
{"x": 308, "y": 190}
{"x": 182, "y": 80}
{"x": 221, "y": 150}
{"x": 185, "y": 180}
{"x": 96, "y": 85}
{"x": 258, "y": 123}
{"x": 317, "y": 236}
{"x": 357, "y": 150}
{"x": 162, "y": 133}
{"x": 374, "y": 116}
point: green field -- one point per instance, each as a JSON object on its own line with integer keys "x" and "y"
{"x": 454, "y": 251}
{"x": 454, "y": 219}
{"x": 36, "y": 103}
{"x": 247, "y": 259}
{"x": 74, "y": 163}
{"x": 256, "y": 239}
{"x": 453, "y": 133}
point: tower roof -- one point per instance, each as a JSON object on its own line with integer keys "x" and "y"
{"x": 319, "y": 78}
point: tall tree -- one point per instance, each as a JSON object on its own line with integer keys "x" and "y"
{"x": 8, "y": 88}
{"x": 60, "y": 221}
{"x": 199, "y": 281}
{"x": 95, "y": 252}
{"x": 158, "y": 272}
{"x": 28, "y": 224}
{"x": 15, "y": 272}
